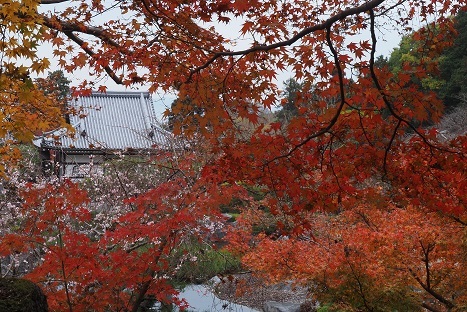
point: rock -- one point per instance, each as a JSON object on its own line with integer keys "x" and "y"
{"x": 213, "y": 282}
{"x": 254, "y": 292}
{"x": 20, "y": 295}
{"x": 273, "y": 306}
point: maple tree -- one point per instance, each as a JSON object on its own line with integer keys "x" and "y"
{"x": 24, "y": 110}
{"x": 367, "y": 207}
{"x": 95, "y": 255}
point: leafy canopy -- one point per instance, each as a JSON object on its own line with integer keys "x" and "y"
{"x": 445, "y": 69}
{"x": 364, "y": 204}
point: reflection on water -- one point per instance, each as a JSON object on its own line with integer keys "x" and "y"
{"x": 200, "y": 299}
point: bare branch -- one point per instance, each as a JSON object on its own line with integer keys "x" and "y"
{"x": 464, "y": 223}
{"x": 429, "y": 290}
{"x": 426, "y": 260}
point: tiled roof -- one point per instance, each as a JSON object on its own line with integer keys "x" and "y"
{"x": 115, "y": 121}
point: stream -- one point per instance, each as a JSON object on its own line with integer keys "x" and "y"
{"x": 201, "y": 299}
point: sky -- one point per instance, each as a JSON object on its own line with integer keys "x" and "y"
{"x": 387, "y": 41}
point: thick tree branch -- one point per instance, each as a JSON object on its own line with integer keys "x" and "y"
{"x": 429, "y": 290}
{"x": 97, "y": 32}
{"x": 325, "y": 25}
{"x": 457, "y": 219}
{"x": 360, "y": 289}
{"x": 147, "y": 284}
{"x": 376, "y": 81}
{"x": 426, "y": 260}
{"x": 53, "y": 1}
{"x": 378, "y": 86}
{"x": 429, "y": 307}
{"x": 334, "y": 119}
{"x": 68, "y": 29}
{"x": 388, "y": 147}
{"x": 91, "y": 53}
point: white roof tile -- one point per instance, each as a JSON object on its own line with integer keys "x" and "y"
{"x": 115, "y": 121}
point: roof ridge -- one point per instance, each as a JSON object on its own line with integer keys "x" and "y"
{"x": 121, "y": 93}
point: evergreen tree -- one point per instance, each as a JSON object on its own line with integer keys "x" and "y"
{"x": 58, "y": 86}
{"x": 291, "y": 93}
{"x": 450, "y": 83}
{"x": 453, "y": 66}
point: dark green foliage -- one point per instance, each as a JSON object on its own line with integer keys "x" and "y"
{"x": 453, "y": 65}
{"x": 291, "y": 94}
{"x": 323, "y": 308}
{"x": 451, "y": 81}
{"x": 57, "y": 85}
{"x": 198, "y": 262}
{"x": 233, "y": 207}
{"x": 405, "y": 52}
{"x": 266, "y": 228}
{"x": 236, "y": 204}
{"x": 358, "y": 293}
{"x": 256, "y": 192}
{"x": 410, "y": 52}
{"x": 61, "y": 85}
{"x": 20, "y": 295}
{"x": 381, "y": 61}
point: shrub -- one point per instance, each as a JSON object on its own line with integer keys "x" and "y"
{"x": 197, "y": 262}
